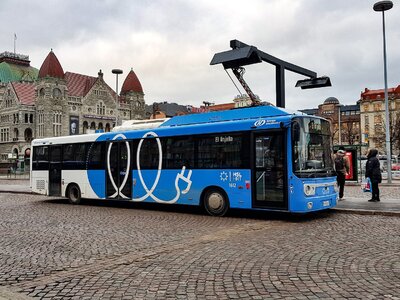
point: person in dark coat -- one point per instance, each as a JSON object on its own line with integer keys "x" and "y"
{"x": 373, "y": 172}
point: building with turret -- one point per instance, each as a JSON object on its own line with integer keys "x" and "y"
{"x": 344, "y": 120}
{"x": 50, "y": 102}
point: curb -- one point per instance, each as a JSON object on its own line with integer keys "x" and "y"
{"x": 366, "y": 212}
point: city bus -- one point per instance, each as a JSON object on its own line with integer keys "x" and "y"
{"x": 256, "y": 158}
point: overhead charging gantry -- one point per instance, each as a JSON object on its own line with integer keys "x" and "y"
{"x": 243, "y": 54}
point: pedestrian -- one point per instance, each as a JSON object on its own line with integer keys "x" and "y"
{"x": 342, "y": 168}
{"x": 373, "y": 172}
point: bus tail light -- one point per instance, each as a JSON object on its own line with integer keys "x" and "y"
{"x": 247, "y": 185}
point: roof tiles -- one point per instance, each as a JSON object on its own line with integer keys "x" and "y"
{"x": 25, "y": 92}
{"x": 51, "y": 67}
{"x": 79, "y": 85}
{"x": 131, "y": 84}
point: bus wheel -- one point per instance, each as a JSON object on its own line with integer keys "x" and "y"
{"x": 215, "y": 202}
{"x": 74, "y": 194}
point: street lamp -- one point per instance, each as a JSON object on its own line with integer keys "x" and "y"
{"x": 340, "y": 123}
{"x": 383, "y": 6}
{"x": 117, "y": 72}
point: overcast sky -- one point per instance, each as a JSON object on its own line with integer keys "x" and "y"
{"x": 169, "y": 44}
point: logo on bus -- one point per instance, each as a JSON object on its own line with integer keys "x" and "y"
{"x": 259, "y": 123}
{"x": 149, "y": 191}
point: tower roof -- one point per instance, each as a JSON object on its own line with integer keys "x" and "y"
{"x": 15, "y": 72}
{"x": 131, "y": 84}
{"x": 331, "y": 100}
{"x": 51, "y": 67}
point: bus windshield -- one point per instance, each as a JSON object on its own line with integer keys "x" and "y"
{"x": 311, "y": 140}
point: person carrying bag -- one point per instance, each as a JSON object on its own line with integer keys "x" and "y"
{"x": 373, "y": 172}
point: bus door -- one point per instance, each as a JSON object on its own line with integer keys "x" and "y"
{"x": 118, "y": 170}
{"x": 55, "y": 171}
{"x": 269, "y": 170}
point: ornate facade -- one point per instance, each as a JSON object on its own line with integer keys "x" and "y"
{"x": 373, "y": 120}
{"x": 51, "y": 102}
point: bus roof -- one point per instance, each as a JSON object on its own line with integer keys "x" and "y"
{"x": 229, "y": 115}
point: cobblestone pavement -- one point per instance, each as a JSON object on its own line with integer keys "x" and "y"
{"x": 101, "y": 250}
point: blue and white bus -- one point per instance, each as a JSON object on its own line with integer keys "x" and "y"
{"x": 260, "y": 158}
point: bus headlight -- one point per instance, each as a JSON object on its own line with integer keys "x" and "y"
{"x": 309, "y": 190}
{"x": 309, "y": 205}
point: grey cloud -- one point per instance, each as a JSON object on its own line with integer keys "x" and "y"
{"x": 170, "y": 43}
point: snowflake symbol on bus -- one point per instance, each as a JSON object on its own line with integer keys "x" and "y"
{"x": 237, "y": 176}
{"x": 223, "y": 176}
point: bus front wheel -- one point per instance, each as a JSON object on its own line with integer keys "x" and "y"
{"x": 216, "y": 202}
{"x": 74, "y": 194}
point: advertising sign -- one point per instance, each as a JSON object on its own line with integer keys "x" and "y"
{"x": 73, "y": 125}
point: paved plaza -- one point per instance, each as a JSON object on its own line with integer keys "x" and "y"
{"x": 103, "y": 250}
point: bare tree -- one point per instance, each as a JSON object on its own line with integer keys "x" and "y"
{"x": 349, "y": 133}
{"x": 394, "y": 130}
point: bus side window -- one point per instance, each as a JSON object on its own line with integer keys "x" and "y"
{"x": 40, "y": 158}
{"x": 74, "y": 156}
{"x": 96, "y": 156}
{"x": 179, "y": 152}
{"x": 149, "y": 153}
{"x": 223, "y": 151}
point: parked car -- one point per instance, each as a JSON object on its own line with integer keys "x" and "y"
{"x": 396, "y": 167}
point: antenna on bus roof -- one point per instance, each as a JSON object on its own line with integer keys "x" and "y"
{"x": 243, "y": 54}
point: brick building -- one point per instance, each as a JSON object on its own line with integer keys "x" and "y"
{"x": 349, "y": 120}
{"x": 50, "y": 102}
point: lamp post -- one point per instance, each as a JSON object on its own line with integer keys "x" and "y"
{"x": 117, "y": 72}
{"x": 383, "y": 6}
{"x": 339, "y": 123}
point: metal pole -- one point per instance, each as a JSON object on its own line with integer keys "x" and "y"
{"x": 116, "y": 91}
{"x": 387, "y": 113}
{"x": 117, "y": 72}
{"x": 340, "y": 130}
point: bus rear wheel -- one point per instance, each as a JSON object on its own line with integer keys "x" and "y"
{"x": 216, "y": 202}
{"x": 74, "y": 194}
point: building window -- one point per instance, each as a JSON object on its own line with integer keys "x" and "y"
{"x": 40, "y": 123}
{"x": 377, "y": 106}
{"x": 57, "y": 123}
{"x": 42, "y": 92}
{"x": 4, "y": 134}
{"x": 378, "y": 124}
{"x": 366, "y": 107}
{"x": 56, "y": 93}
{"x": 85, "y": 127}
{"x": 16, "y": 134}
{"x": 28, "y": 135}
{"x": 100, "y": 108}
{"x": 9, "y": 103}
